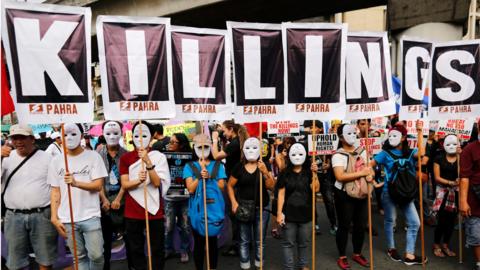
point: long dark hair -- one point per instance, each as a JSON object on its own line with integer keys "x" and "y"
{"x": 238, "y": 129}
{"x": 305, "y": 166}
{"x": 183, "y": 143}
{"x": 340, "y": 135}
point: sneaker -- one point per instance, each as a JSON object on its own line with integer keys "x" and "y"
{"x": 415, "y": 261}
{"x": 184, "y": 257}
{"x": 343, "y": 263}
{"x": 317, "y": 230}
{"x": 333, "y": 230}
{"x": 393, "y": 254}
{"x": 360, "y": 260}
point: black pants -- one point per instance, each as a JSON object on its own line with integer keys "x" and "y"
{"x": 108, "y": 229}
{"x": 326, "y": 189}
{"x": 445, "y": 225}
{"x": 136, "y": 239}
{"x": 199, "y": 251}
{"x": 350, "y": 210}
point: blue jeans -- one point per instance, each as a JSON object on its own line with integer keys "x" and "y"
{"x": 89, "y": 237}
{"x": 246, "y": 232}
{"x": 300, "y": 234}
{"x": 411, "y": 218}
{"x": 23, "y": 230}
{"x": 176, "y": 212}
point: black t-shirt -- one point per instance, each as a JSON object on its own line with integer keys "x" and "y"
{"x": 298, "y": 196}
{"x": 161, "y": 145}
{"x": 448, "y": 170}
{"x": 246, "y": 182}
{"x": 233, "y": 155}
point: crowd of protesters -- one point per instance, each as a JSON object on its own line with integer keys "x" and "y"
{"x": 111, "y": 188}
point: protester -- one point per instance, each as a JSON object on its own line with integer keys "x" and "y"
{"x": 101, "y": 142}
{"x": 244, "y": 193}
{"x": 138, "y": 168}
{"x": 208, "y": 170}
{"x": 350, "y": 210}
{"x": 161, "y": 141}
{"x": 236, "y": 134}
{"x": 85, "y": 175}
{"x": 176, "y": 208}
{"x": 469, "y": 202}
{"x": 86, "y": 142}
{"x": 445, "y": 170}
{"x": 432, "y": 150}
{"x": 294, "y": 210}
{"x": 112, "y": 193}
{"x": 397, "y": 151}
{"x": 55, "y": 148}
{"x": 24, "y": 175}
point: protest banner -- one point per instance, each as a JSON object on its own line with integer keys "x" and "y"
{"x": 373, "y": 145}
{"x": 460, "y": 127}
{"x": 176, "y": 162}
{"x": 412, "y": 130}
{"x": 283, "y": 129}
{"x": 188, "y": 128}
{"x": 326, "y": 144}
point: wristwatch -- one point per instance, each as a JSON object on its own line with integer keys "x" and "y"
{"x": 150, "y": 168}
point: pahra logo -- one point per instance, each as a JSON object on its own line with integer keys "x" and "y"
{"x": 312, "y": 107}
{"x": 372, "y": 107}
{"x": 199, "y": 108}
{"x": 455, "y": 109}
{"x": 259, "y": 109}
{"x": 53, "y": 109}
{"x": 138, "y": 106}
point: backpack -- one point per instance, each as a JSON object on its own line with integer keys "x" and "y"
{"x": 357, "y": 189}
{"x": 402, "y": 183}
{"x": 215, "y": 203}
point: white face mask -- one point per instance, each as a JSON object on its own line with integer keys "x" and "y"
{"x": 73, "y": 136}
{"x": 251, "y": 149}
{"x": 350, "y": 134}
{"x": 146, "y": 136}
{"x": 394, "y": 138}
{"x": 112, "y": 133}
{"x": 297, "y": 154}
{"x": 202, "y": 154}
{"x": 450, "y": 144}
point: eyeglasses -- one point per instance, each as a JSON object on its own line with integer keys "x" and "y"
{"x": 173, "y": 142}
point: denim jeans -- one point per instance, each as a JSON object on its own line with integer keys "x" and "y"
{"x": 247, "y": 230}
{"x": 300, "y": 234}
{"x": 176, "y": 212}
{"x": 411, "y": 218}
{"x": 23, "y": 230}
{"x": 89, "y": 238}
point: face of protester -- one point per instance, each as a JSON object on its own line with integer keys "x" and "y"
{"x": 394, "y": 138}
{"x": 349, "y": 134}
{"x": 23, "y": 144}
{"x": 251, "y": 149}
{"x": 73, "y": 136}
{"x": 58, "y": 140}
{"x": 146, "y": 137}
{"x": 297, "y": 154}
{"x": 363, "y": 126}
{"x": 174, "y": 144}
{"x": 112, "y": 133}
{"x": 450, "y": 144}
{"x": 202, "y": 152}
{"x": 227, "y": 132}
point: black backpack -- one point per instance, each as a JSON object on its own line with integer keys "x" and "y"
{"x": 402, "y": 184}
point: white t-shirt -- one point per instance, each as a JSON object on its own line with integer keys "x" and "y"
{"x": 54, "y": 150}
{"x": 28, "y": 187}
{"x": 340, "y": 160}
{"x": 85, "y": 167}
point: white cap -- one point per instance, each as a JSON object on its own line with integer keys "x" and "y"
{"x": 55, "y": 135}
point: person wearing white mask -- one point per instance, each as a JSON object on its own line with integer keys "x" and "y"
{"x": 134, "y": 175}
{"x": 210, "y": 170}
{"x": 55, "y": 148}
{"x": 445, "y": 170}
{"x": 350, "y": 210}
{"x": 85, "y": 175}
{"x": 111, "y": 195}
{"x": 395, "y": 151}
{"x": 294, "y": 207}
{"x": 244, "y": 193}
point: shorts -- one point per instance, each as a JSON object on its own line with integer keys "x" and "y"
{"x": 472, "y": 231}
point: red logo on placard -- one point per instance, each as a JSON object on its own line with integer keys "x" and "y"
{"x": 125, "y": 106}
{"x": 35, "y": 108}
{"x": 300, "y": 107}
{"x": 187, "y": 108}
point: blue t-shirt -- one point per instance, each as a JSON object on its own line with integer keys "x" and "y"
{"x": 383, "y": 158}
{"x": 188, "y": 172}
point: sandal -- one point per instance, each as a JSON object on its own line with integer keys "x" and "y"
{"x": 448, "y": 252}
{"x": 438, "y": 252}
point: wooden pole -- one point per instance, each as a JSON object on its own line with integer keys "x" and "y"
{"x": 460, "y": 233}
{"x": 147, "y": 225}
{"x": 261, "y": 197}
{"x": 204, "y": 186}
{"x": 314, "y": 178}
{"x": 69, "y": 189}
{"x": 420, "y": 189}
{"x": 370, "y": 233}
